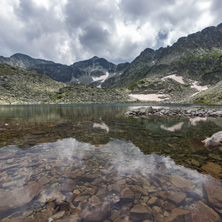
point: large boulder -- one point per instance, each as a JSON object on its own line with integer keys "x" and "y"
{"x": 215, "y": 141}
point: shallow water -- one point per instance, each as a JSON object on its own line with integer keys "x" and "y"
{"x": 92, "y": 163}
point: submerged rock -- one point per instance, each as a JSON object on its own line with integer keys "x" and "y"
{"x": 203, "y": 212}
{"x": 214, "y": 192}
{"x": 19, "y": 197}
{"x": 213, "y": 169}
{"x": 177, "y": 214}
{"x": 98, "y": 212}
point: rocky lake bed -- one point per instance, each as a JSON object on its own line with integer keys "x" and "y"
{"x": 95, "y": 164}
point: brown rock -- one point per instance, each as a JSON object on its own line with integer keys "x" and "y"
{"x": 127, "y": 194}
{"x": 86, "y": 177}
{"x": 156, "y": 210}
{"x": 10, "y": 166}
{"x": 176, "y": 197}
{"x": 213, "y": 190}
{"x": 19, "y": 197}
{"x": 204, "y": 213}
{"x": 115, "y": 187}
{"x": 140, "y": 190}
{"x": 68, "y": 186}
{"x": 177, "y": 215}
{"x": 96, "y": 213}
{"x": 58, "y": 215}
{"x": 213, "y": 169}
{"x": 140, "y": 212}
{"x": 72, "y": 218}
{"x": 8, "y": 184}
{"x": 77, "y": 192}
{"x": 180, "y": 182}
{"x": 152, "y": 201}
{"x": 43, "y": 180}
{"x": 195, "y": 162}
{"x": 6, "y": 156}
{"x": 140, "y": 209}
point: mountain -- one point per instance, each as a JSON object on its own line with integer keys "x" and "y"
{"x": 21, "y": 86}
{"x": 23, "y": 61}
{"x": 97, "y": 70}
{"x": 196, "y": 57}
{"x": 89, "y": 72}
{"x": 177, "y": 73}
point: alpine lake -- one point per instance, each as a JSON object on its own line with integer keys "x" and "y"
{"x": 93, "y": 163}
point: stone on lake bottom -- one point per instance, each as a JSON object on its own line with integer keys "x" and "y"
{"x": 180, "y": 182}
{"x": 213, "y": 190}
{"x": 177, "y": 215}
{"x": 204, "y": 213}
{"x": 141, "y": 212}
{"x": 96, "y": 213}
{"x": 19, "y": 197}
{"x": 127, "y": 194}
{"x": 213, "y": 169}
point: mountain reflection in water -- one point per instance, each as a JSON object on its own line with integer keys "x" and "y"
{"x": 103, "y": 166}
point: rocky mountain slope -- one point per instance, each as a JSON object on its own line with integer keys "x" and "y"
{"x": 197, "y": 56}
{"x": 183, "y": 72}
{"x": 21, "y": 86}
{"x": 89, "y": 72}
{"x": 178, "y": 73}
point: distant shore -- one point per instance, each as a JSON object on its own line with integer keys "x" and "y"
{"x": 190, "y": 112}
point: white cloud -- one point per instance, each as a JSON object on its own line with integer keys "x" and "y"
{"x": 69, "y": 30}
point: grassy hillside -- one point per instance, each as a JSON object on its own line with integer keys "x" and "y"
{"x": 20, "y": 86}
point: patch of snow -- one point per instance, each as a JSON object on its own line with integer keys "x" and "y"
{"x": 101, "y": 126}
{"x": 101, "y": 78}
{"x": 149, "y": 97}
{"x": 179, "y": 79}
{"x": 173, "y": 128}
{"x": 195, "y": 85}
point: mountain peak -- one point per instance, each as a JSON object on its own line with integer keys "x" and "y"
{"x": 95, "y": 57}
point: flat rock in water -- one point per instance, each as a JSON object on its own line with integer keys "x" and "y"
{"x": 213, "y": 169}
{"x": 204, "y": 213}
{"x": 177, "y": 215}
{"x": 87, "y": 177}
{"x": 141, "y": 212}
{"x": 176, "y": 197}
{"x": 214, "y": 192}
{"x": 180, "y": 182}
{"x": 96, "y": 213}
{"x": 19, "y": 197}
{"x": 58, "y": 215}
{"x": 127, "y": 194}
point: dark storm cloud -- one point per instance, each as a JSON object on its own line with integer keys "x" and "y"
{"x": 94, "y": 37}
{"x": 69, "y": 30}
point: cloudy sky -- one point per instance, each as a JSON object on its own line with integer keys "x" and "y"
{"x": 66, "y": 31}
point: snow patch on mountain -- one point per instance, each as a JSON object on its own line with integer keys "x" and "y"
{"x": 101, "y": 78}
{"x": 179, "y": 79}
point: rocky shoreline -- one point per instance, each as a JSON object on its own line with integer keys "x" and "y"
{"x": 190, "y": 112}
